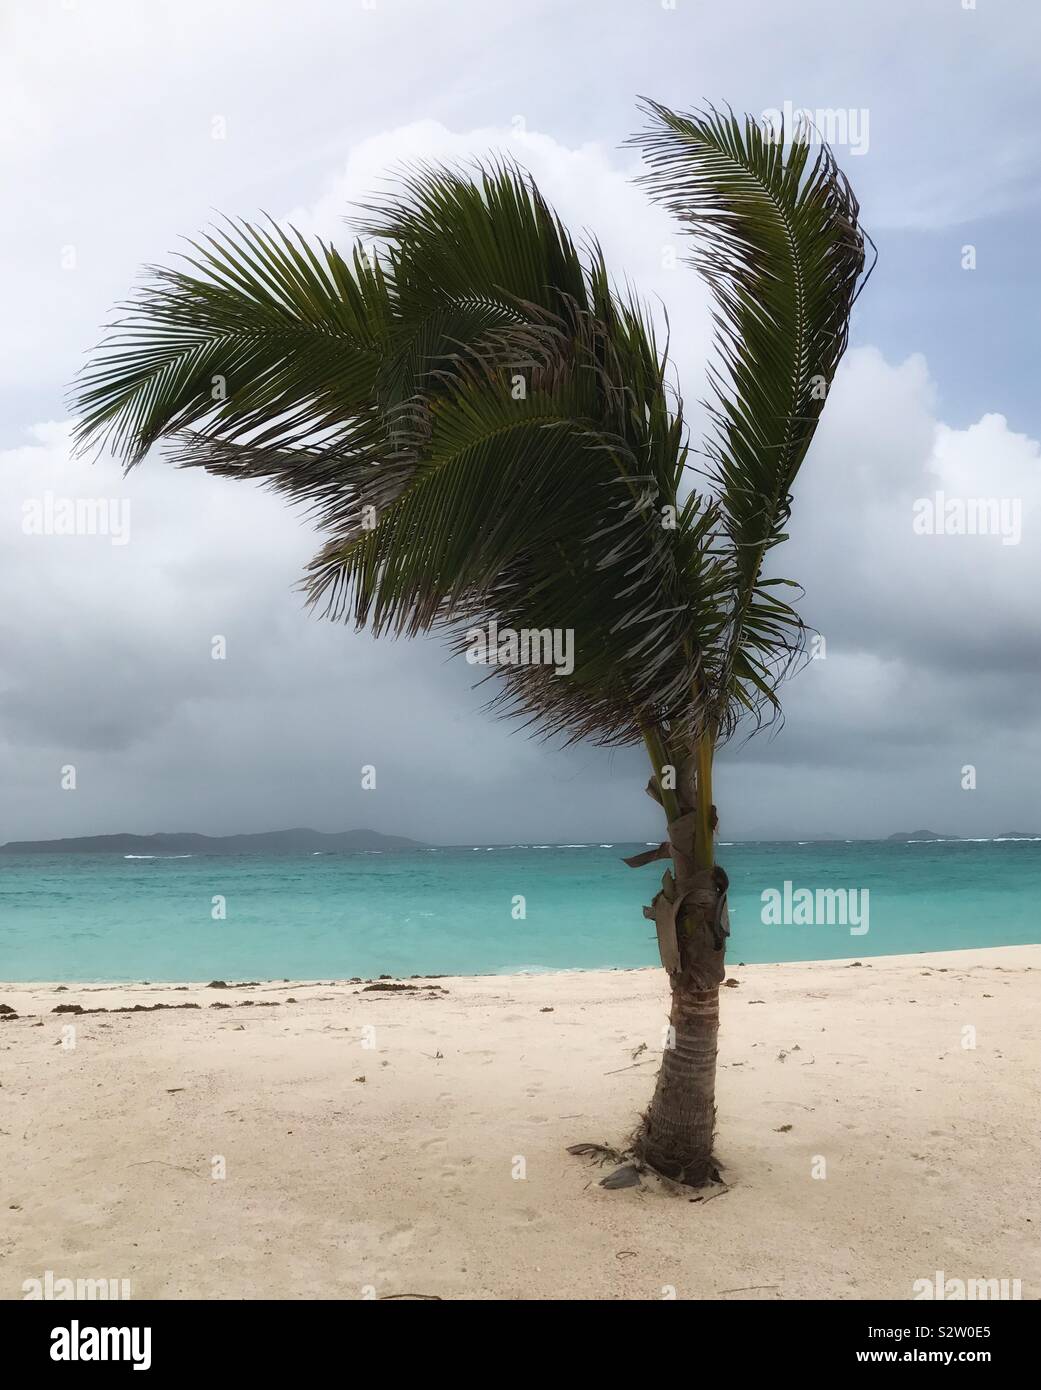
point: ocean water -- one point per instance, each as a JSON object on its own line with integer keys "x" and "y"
{"x": 455, "y": 910}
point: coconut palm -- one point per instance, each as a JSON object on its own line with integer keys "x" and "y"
{"x": 485, "y": 429}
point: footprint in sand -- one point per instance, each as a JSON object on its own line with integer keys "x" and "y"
{"x": 450, "y": 1182}
{"x": 525, "y": 1218}
{"x": 397, "y": 1240}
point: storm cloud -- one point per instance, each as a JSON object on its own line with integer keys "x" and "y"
{"x": 124, "y": 126}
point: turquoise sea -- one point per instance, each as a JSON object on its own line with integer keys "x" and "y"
{"x": 452, "y": 911}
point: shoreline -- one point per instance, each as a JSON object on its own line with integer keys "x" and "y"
{"x": 317, "y": 1140}
{"x": 541, "y": 972}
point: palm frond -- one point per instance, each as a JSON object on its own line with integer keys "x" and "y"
{"x": 268, "y": 340}
{"x": 544, "y": 513}
{"x": 777, "y": 239}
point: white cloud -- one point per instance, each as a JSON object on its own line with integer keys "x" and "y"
{"x": 879, "y": 449}
{"x": 593, "y": 192}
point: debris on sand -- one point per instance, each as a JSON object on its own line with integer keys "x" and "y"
{"x": 125, "y": 1009}
{"x": 626, "y": 1176}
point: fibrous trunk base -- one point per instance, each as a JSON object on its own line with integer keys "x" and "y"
{"x": 675, "y": 1138}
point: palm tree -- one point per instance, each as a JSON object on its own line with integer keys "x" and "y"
{"x": 484, "y": 427}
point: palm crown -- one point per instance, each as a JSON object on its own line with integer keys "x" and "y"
{"x": 483, "y": 425}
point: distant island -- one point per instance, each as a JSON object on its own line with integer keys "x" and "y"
{"x": 267, "y": 842}
{"x": 932, "y": 835}
{"x": 921, "y": 835}
{"x": 303, "y": 841}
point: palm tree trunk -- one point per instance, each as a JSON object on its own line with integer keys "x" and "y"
{"x": 675, "y": 1137}
{"x": 690, "y": 915}
{"x": 677, "y": 1131}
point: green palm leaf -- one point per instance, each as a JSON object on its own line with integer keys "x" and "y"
{"x": 270, "y": 340}
{"x": 778, "y": 241}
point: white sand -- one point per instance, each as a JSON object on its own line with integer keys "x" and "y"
{"x": 404, "y": 1183}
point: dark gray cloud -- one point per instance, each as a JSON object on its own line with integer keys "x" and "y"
{"x": 105, "y": 650}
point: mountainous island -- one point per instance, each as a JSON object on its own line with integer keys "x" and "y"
{"x": 921, "y": 835}
{"x": 267, "y": 842}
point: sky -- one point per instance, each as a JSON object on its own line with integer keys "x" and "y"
{"x": 125, "y": 127}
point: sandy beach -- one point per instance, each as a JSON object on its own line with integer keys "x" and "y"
{"x": 330, "y": 1140}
